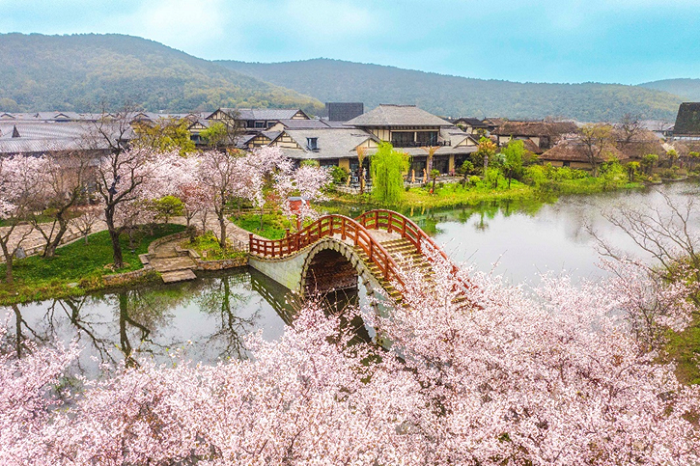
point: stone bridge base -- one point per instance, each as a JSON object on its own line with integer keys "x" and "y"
{"x": 328, "y": 265}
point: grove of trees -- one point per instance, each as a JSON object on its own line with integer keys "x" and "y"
{"x": 550, "y": 378}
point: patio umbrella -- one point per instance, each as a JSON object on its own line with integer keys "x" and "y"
{"x": 413, "y": 176}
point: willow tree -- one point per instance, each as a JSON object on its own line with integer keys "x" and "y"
{"x": 387, "y": 170}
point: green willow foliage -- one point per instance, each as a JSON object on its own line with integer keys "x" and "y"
{"x": 387, "y": 169}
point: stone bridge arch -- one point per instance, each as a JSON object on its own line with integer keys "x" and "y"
{"x": 331, "y": 264}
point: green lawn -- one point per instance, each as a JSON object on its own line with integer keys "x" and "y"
{"x": 207, "y": 246}
{"x": 684, "y": 349}
{"x": 273, "y": 224}
{"x": 77, "y": 262}
{"x": 455, "y": 194}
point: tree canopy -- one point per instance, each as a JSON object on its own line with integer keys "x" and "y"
{"x": 387, "y": 169}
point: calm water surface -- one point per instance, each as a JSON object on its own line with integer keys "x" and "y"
{"x": 210, "y": 317}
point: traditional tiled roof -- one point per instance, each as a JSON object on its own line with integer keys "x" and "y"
{"x": 332, "y": 143}
{"x": 266, "y": 114}
{"x": 36, "y": 137}
{"x": 397, "y": 115}
{"x": 305, "y": 124}
{"x": 473, "y": 122}
{"x": 688, "y": 120}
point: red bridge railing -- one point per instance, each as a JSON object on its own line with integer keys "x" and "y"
{"x": 358, "y": 232}
{"x": 328, "y": 225}
{"x": 394, "y": 222}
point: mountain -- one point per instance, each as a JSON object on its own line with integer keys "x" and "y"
{"x": 688, "y": 89}
{"x": 83, "y": 72}
{"x": 335, "y": 80}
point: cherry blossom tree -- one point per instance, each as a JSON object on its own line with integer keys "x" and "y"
{"x": 62, "y": 185}
{"x": 222, "y": 176}
{"x": 181, "y": 177}
{"x": 19, "y": 190}
{"x": 87, "y": 217}
{"x": 263, "y": 166}
{"x": 27, "y": 402}
{"x": 554, "y": 378}
{"x": 550, "y": 379}
{"x": 125, "y": 178}
{"x": 307, "y": 182}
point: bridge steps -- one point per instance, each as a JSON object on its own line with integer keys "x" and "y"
{"x": 406, "y": 257}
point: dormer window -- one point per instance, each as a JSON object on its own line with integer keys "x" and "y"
{"x": 312, "y": 143}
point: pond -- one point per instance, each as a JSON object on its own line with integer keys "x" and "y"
{"x": 210, "y": 317}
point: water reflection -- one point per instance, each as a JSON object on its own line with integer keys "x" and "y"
{"x": 207, "y": 318}
{"x": 210, "y": 317}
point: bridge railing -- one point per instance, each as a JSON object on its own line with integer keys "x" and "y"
{"x": 328, "y": 225}
{"x": 394, "y": 222}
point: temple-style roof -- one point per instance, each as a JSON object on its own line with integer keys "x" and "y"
{"x": 397, "y": 115}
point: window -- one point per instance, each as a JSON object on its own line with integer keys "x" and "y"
{"x": 402, "y": 139}
{"x": 312, "y": 143}
{"x": 427, "y": 138}
{"x": 259, "y": 124}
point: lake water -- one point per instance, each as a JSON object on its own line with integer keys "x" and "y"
{"x": 210, "y": 317}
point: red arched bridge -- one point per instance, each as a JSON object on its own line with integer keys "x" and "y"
{"x": 336, "y": 251}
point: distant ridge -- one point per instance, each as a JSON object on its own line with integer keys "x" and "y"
{"x": 83, "y": 72}
{"x": 335, "y": 80}
{"x": 92, "y": 72}
{"x": 686, "y": 88}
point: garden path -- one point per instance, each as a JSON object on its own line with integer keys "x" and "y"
{"x": 32, "y": 240}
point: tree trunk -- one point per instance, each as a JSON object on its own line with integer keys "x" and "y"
{"x": 8, "y": 264}
{"x": 222, "y": 229}
{"x": 114, "y": 236}
{"x": 262, "y": 212}
{"x": 50, "y": 248}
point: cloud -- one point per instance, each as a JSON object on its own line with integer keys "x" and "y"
{"x": 183, "y": 24}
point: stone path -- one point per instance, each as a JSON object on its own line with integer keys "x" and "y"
{"x": 172, "y": 266}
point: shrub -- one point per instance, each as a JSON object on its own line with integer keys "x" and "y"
{"x": 340, "y": 175}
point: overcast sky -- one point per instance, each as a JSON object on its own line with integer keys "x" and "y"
{"x": 625, "y": 41}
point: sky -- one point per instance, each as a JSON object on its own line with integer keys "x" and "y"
{"x": 621, "y": 41}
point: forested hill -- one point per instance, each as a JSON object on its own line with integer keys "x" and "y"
{"x": 688, "y": 89}
{"x": 334, "y": 80}
{"x": 81, "y": 72}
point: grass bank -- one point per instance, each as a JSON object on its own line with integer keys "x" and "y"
{"x": 274, "y": 225}
{"x": 473, "y": 193}
{"x": 77, "y": 267}
{"x": 208, "y": 248}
